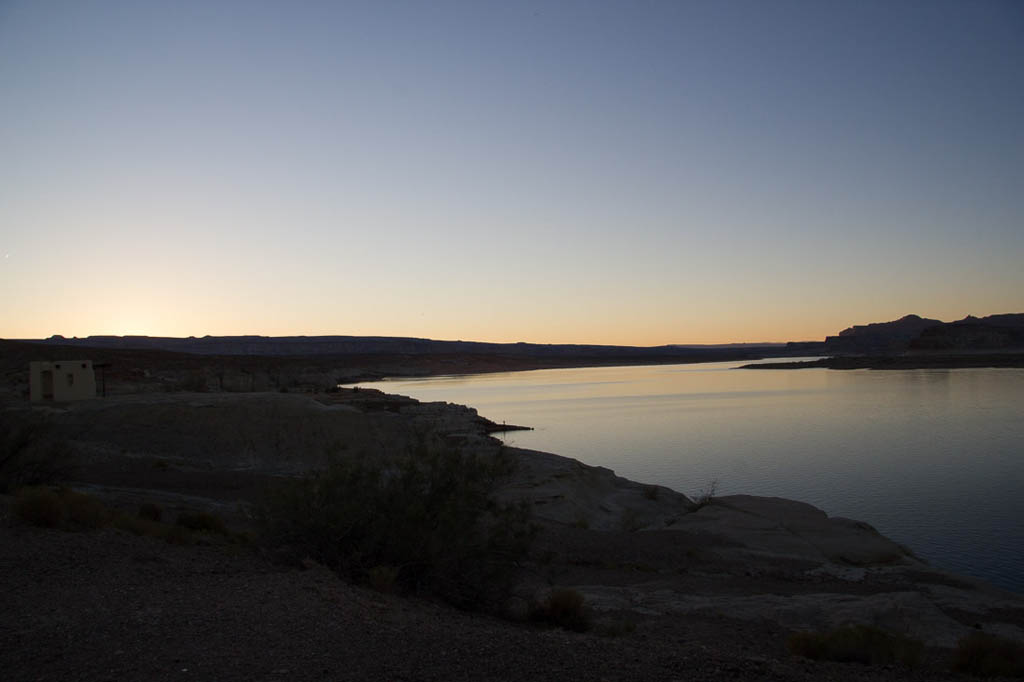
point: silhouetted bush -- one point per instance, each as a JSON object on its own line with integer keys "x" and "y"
{"x": 564, "y": 608}
{"x": 29, "y": 454}
{"x": 382, "y": 578}
{"x": 987, "y": 655}
{"x": 193, "y": 382}
{"x": 83, "y": 512}
{"x": 70, "y": 510}
{"x": 177, "y": 535}
{"x": 428, "y": 517}
{"x": 856, "y": 644}
{"x": 63, "y": 508}
{"x": 170, "y": 533}
{"x": 630, "y": 521}
{"x": 39, "y": 507}
{"x": 707, "y": 495}
{"x": 137, "y": 525}
{"x": 150, "y": 511}
{"x": 202, "y": 521}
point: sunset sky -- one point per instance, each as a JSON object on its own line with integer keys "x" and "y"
{"x": 598, "y": 172}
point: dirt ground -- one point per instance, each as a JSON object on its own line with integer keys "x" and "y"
{"x": 107, "y": 605}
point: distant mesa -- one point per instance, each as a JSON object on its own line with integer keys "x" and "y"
{"x": 880, "y": 337}
{"x": 996, "y": 332}
{"x": 906, "y": 325}
{"x": 915, "y": 333}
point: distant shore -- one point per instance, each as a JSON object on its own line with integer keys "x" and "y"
{"x": 959, "y": 361}
{"x": 143, "y": 370}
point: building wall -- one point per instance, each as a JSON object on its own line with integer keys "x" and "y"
{"x": 61, "y": 380}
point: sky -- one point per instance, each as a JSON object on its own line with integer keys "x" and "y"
{"x": 636, "y": 172}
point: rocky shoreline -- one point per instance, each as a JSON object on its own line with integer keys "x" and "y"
{"x": 677, "y": 590}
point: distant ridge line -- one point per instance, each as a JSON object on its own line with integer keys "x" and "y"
{"x": 348, "y": 345}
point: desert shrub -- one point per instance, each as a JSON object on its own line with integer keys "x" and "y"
{"x": 150, "y": 511}
{"x": 630, "y": 521}
{"x": 202, "y": 521}
{"x": 63, "y": 508}
{"x": 193, "y": 382}
{"x": 172, "y": 534}
{"x": 242, "y": 538}
{"x": 428, "y": 516}
{"x": 83, "y": 512}
{"x": 40, "y": 507}
{"x": 177, "y": 535}
{"x": 29, "y": 454}
{"x": 856, "y": 644}
{"x": 564, "y": 608}
{"x": 137, "y": 525}
{"x": 706, "y": 496}
{"x": 382, "y": 578}
{"x": 987, "y": 655}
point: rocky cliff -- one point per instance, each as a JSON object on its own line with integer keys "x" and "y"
{"x": 879, "y": 337}
{"x": 914, "y": 333}
{"x": 996, "y": 332}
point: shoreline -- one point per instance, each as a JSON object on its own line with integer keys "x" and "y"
{"x": 896, "y": 362}
{"x": 941, "y": 547}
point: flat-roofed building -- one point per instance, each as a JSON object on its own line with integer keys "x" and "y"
{"x": 61, "y": 380}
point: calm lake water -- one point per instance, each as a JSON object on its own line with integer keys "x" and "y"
{"x": 932, "y": 458}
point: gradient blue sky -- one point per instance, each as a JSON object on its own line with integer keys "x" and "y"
{"x": 634, "y": 172}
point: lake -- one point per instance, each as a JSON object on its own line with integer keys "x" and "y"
{"x": 932, "y": 458}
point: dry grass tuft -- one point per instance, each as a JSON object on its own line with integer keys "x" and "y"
{"x": 382, "y": 578}
{"x": 70, "y": 510}
{"x": 40, "y": 507}
{"x": 564, "y": 608}
{"x": 139, "y": 526}
{"x": 202, "y": 521}
{"x": 986, "y": 655}
{"x": 64, "y": 508}
{"x": 83, "y": 512}
{"x": 707, "y": 495}
{"x": 177, "y": 535}
{"x": 856, "y": 644}
{"x": 150, "y": 511}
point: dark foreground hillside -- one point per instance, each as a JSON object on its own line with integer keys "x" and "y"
{"x": 106, "y": 605}
{"x": 155, "y": 569}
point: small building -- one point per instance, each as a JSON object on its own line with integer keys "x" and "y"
{"x": 61, "y": 380}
